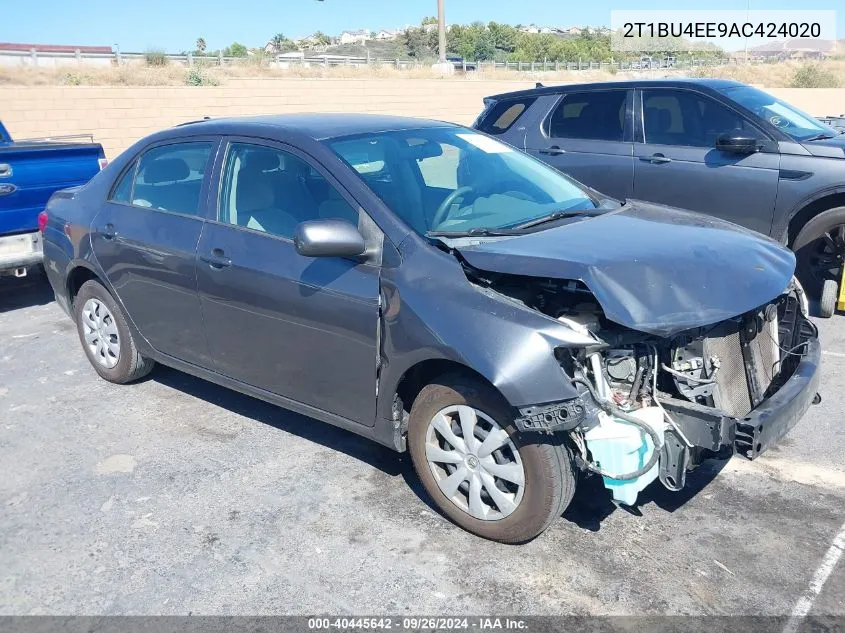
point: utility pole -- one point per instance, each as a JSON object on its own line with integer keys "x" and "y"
{"x": 441, "y": 32}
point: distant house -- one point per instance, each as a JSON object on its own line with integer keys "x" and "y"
{"x": 55, "y": 48}
{"x": 573, "y": 31}
{"x": 531, "y": 28}
{"x": 354, "y": 37}
{"x": 387, "y": 35}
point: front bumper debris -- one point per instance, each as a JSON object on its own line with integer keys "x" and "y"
{"x": 769, "y": 421}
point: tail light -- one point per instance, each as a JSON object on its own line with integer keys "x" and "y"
{"x": 104, "y": 162}
{"x": 42, "y": 221}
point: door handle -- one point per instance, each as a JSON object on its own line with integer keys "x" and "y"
{"x": 6, "y": 190}
{"x": 216, "y": 259}
{"x": 554, "y": 150}
{"x": 5, "y": 170}
{"x": 108, "y": 231}
{"x": 656, "y": 159}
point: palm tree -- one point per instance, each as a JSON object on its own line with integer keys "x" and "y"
{"x": 278, "y": 41}
{"x": 201, "y": 46}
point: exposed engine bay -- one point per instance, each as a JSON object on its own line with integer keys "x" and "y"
{"x": 657, "y": 407}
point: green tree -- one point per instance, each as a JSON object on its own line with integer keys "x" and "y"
{"x": 236, "y": 49}
{"x": 282, "y": 44}
{"x": 429, "y": 20}
{"x": 322, "y": 39}
{"x": 418, "y": 43}
{"x": 201, "y": 46}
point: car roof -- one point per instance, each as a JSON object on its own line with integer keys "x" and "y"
{"x": 317, "y": 126}
{"x": 713, "y": 84}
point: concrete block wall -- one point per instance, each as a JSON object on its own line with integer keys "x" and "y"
{"x": 117, "y": 116}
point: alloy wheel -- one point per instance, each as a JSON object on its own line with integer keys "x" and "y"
{"x": 474, "y": 462}
{"x": 828, "y": 254}
{"x": 100, "y": 333}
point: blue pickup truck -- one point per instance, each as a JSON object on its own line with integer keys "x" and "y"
{"x": 31, "y": 170}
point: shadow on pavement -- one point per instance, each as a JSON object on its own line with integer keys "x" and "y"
{"x": 592, "y": 502}
{"x": 590, "y": 506}
{"x": 24, "y": 292}
{"x": 378, "y": 456}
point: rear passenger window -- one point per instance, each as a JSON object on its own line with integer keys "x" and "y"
{"x": 504, "y": 114}
{"x": 170, "y": 177}
{"x": 597, "y": 116}
{"x": 122, "y": 191}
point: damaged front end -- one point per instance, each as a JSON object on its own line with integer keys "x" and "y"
{"x": 656, "y": 406}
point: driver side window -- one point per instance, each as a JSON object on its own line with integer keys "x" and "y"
{"x": 681, "y": 117}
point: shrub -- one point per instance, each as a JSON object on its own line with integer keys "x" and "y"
{"x": 196, "y": 77}
{"x": 72, "y": 79}
{"x": 155, "y": 58}
{"x": 814, "y": 76}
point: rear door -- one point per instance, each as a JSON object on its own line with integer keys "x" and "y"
{"x": 304, "y": 328}
{"x": 589, "y": 136}
{"x": 677, "y": 163}
{"x": 145, "y": 239}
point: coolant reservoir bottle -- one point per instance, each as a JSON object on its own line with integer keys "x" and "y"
{"x": 619, "y": 447}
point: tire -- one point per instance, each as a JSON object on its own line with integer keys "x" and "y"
{"x": 125, "y": 366}
{"x": 549, "y": 478}
{"x": 827, "y": 301}
{"x": 807, "y": 244}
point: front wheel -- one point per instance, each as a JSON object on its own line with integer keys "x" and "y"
{"x": 478, "y": 470}
{"x": 820, "y": 253}
{"x": 105, "y": 336}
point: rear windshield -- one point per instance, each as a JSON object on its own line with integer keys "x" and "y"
{"x": 504, "y": 114}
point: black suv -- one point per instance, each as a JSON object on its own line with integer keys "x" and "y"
{"x": 714, "y": 146}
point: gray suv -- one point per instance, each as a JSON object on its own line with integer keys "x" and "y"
{"x": 713, "y": 146}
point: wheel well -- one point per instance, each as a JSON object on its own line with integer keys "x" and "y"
{"x": 810, "y": 211}
{"x": 76, "y": 278}
{"x": 424, "y": 373}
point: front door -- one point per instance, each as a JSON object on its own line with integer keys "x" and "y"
{"x": 300, "y": 327}
{"x": 678, "y": 164}
{"x": 589, "y": 137}
{"x": 145, "y": 239}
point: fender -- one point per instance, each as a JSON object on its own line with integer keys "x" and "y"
{"x": 780, "y": 230}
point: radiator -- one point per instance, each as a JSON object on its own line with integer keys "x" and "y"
{"x": 734, "y": 393}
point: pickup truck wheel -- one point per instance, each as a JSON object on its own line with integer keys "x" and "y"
{"x": 820, "y": 251}
{"x": 479, "y": 472}
{"x": 105, "y": 337}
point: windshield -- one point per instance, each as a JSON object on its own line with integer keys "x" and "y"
{"x": 455, "y": 180}
{"x": 799, "y": 125}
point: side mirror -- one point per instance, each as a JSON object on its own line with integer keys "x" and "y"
{"x": 328, "y": 238}
{"x": 736, "y": 144}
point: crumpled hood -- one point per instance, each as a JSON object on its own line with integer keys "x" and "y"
{"x": 651, "y": 268}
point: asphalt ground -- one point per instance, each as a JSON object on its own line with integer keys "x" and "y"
{"x": 175, "y": 496}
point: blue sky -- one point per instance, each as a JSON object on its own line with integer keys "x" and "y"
{"x": 174, "y": 25}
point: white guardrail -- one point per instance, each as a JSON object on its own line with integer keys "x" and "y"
{"x": 38, "y": 58}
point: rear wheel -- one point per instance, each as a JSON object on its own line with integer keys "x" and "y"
{"x": 820, "y": 253}
{"x": 105, "y": 336}
{"x": 478, "y": 470}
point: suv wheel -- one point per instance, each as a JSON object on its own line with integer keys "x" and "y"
{"x": 105, "y": 337}
{"x": 820, "y": 251}
{"x": 478, "y": 470}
